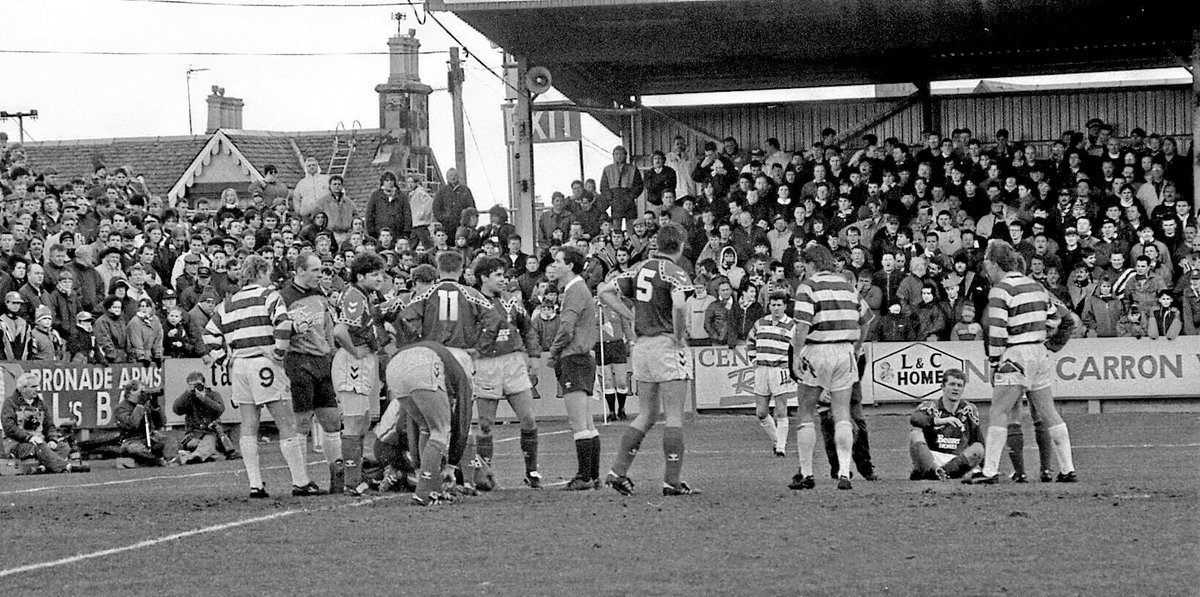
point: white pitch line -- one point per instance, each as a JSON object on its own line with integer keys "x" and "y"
{"x": 140, "y": 479}
{"x": 517, "y": 437}
{"x": 177, "y": 536}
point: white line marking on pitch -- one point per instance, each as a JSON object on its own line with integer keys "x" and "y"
{"x": 177, "y": 536}
{"x": 140, "y": 479}
{"x": 517, "y": 437}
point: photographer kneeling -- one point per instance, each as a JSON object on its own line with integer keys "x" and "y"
{"x": 29, "y": 431}
{"x": 140, "y": 422}
{"x": 204, "y": 435}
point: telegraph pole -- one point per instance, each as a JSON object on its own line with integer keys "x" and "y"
{"x": 191, "y": 69}
{"x": 454, "y": 85}
{"x": 20, "y": 116}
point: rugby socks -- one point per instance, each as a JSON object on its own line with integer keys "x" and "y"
{"x": 249, "y": 448}
{"x": 843, "y": 436}
{"x": 484, "y": 447}
{"x": 430, "y": 479}
{"x": 673, "y": 451}
{"x": 1062, "y": 447}
{"x": 806, "y": 440}
{"x": 996, "y": 437}
{"x": 957, "y": 466}
{"x": 781, "y": 433}
{"x": 631, "y": 440}
{"x": 583, "y": 453}
{"x": 768, "y": 425}
{"x": 1045, "y": 450}
{"x": 621, "y": 401}
{"x": 293, "y": 452}
{"x": 333, "y": 445}
{"x": 595, "y": 464}
{"x": 922, "y": 458}
{"x": 1016, "y": 447}
{"x": 529, "y": 448}
{"x": 610, "y": 399}
{"x": 352, "y": 447}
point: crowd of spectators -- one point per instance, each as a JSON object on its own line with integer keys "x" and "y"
{"x": 103, "y": 270}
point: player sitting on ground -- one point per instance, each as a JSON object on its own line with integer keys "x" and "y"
{"x": 502, "y": 367}
{"x": 29, "y": 431}
{"x": 946, "y": 442}
{"x": 767, "y": 347}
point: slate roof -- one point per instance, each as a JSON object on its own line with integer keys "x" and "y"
{"x": 161, "y": 159}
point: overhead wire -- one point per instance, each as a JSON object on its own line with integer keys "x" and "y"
{"x": 268, "y": 4}
{"x": 482, "y": 162}
{"x": 264, "y": 54}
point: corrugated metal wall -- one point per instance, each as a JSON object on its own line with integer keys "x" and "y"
{"x": 1034, "y": 116}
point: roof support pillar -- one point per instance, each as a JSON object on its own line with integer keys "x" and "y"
{"x": 519, "y": 116}
{"x": 1195, "y": 118}
{"x": 930, "y": 119}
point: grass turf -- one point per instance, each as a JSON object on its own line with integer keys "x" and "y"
{"x": 1130, "y": 526}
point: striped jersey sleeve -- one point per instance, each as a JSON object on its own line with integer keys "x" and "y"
{"x": 247, "y": 324}
{"x": 831, "y": 308}
{"x": 770, "y": 340}
{"x": 1019, "y": 312}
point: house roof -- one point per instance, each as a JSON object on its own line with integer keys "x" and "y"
{"x": 170, "y": 162}
{"x": 160, "y": 159}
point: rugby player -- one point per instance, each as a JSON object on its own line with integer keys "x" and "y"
{"x": 1019, "y": 316}
{"x": 434, "y": 389}
{"x": 449, "y": 313}
{"x": 250, "y": 332}
{"x": 831, "y": 323}
{"x": 659, "y": 289}
{"x": 502, "y": 367}
{"x": 355, "y": 367}
{"x": 573, "y": 364}
{"x": 309, "y": 363}
{"x": 767, "y": 347}
{"x": 946, "y": 442}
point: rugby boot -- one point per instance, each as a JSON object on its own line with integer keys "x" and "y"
{"x": 681, "y": 489}
{"x": 78, "y": 467}
{"x": 1047, "y": 476}
{"x": 307, "y": 490}
{"x": 259, "y": 492}
{"x": 941, "y": 474}
{"x": 622, "y": 484}
{"x": 337, "y": 477}
{"x": 844, "y": 483}
{"x": 1070, "y": 477}
{"x": 980, "y": 479}
{"x": 1019, "y": 478}
{"x": 578, "y": 484}
{"x": 533, "y": 479}
{"x": 802, "y": 481}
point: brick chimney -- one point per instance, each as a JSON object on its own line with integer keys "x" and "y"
{"x": 223, "y": 112}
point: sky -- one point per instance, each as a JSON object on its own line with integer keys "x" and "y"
{"x": 81, "y": 96}
{"x": 89, "y": 96}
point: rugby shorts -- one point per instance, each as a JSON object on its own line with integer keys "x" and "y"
{"x": 1025, "y": 365}
{"x": 259, "y": 380}
{"x": 615, "y": 352}
{"x": 356, "y": 382}
{"x": 575, "y": 373}
{"x": 505, "y": 375}
{"x": 656, "y": 359}
{"x": 941, "y": 458}
{"x": 832, "y": 367}
{"x": 773, "y": 381}
{"x": 312, "y": 381}
{"x": 417, "y": 368}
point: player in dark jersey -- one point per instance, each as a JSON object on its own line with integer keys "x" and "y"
{"x": 435, "y": 391}
{"x": 946, "y": 441}
{"x": 659, "y": 289}
{"x": 355, "y": 369}
{"x": 573, "y": 363}
{"x": 502, "y": 368}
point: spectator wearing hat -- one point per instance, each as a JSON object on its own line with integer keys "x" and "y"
{"x": 387, "y": 207}
{"x": 269, "y": 188}
{"x": 311, "y": 190}
{"x": 198, "y": 317}
{"x": 64, "y": 304}
{"x": 186, "y": 263}
{"x": 14, "y": 327}
{"x": 81, "y": 341}
{"x": 112, "y": 338}
{"x": 145, "y": 334}
{"x": 45, "y": 344}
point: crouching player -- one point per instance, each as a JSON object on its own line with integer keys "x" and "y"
{"x": 434, "y": 389}
{"x": 767, "y": 347}
{"x": 946, "y": 441}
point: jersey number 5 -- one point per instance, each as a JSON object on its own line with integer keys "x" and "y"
{"x": 644, "y": 289}
{"x": 447, "y": 305}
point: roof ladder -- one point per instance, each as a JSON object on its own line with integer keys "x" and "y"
{"x": 343, "y": 147}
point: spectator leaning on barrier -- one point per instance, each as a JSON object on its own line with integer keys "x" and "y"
{"x": 29, "y": 430}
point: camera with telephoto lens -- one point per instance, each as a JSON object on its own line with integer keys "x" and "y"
{"x": 31, "y": 423}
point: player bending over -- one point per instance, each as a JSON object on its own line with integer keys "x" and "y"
{"x": 946, "y": 441}
{"x": 659, "y": 289}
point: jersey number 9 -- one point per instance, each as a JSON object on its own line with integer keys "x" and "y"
{"x": 447, "y": 305}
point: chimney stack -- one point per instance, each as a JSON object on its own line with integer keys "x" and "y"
{"x": 223, "y": 112}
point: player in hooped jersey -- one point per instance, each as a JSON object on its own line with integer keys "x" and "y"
{"x": 659, "y": 289}
{"x": 831, "y": 321}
